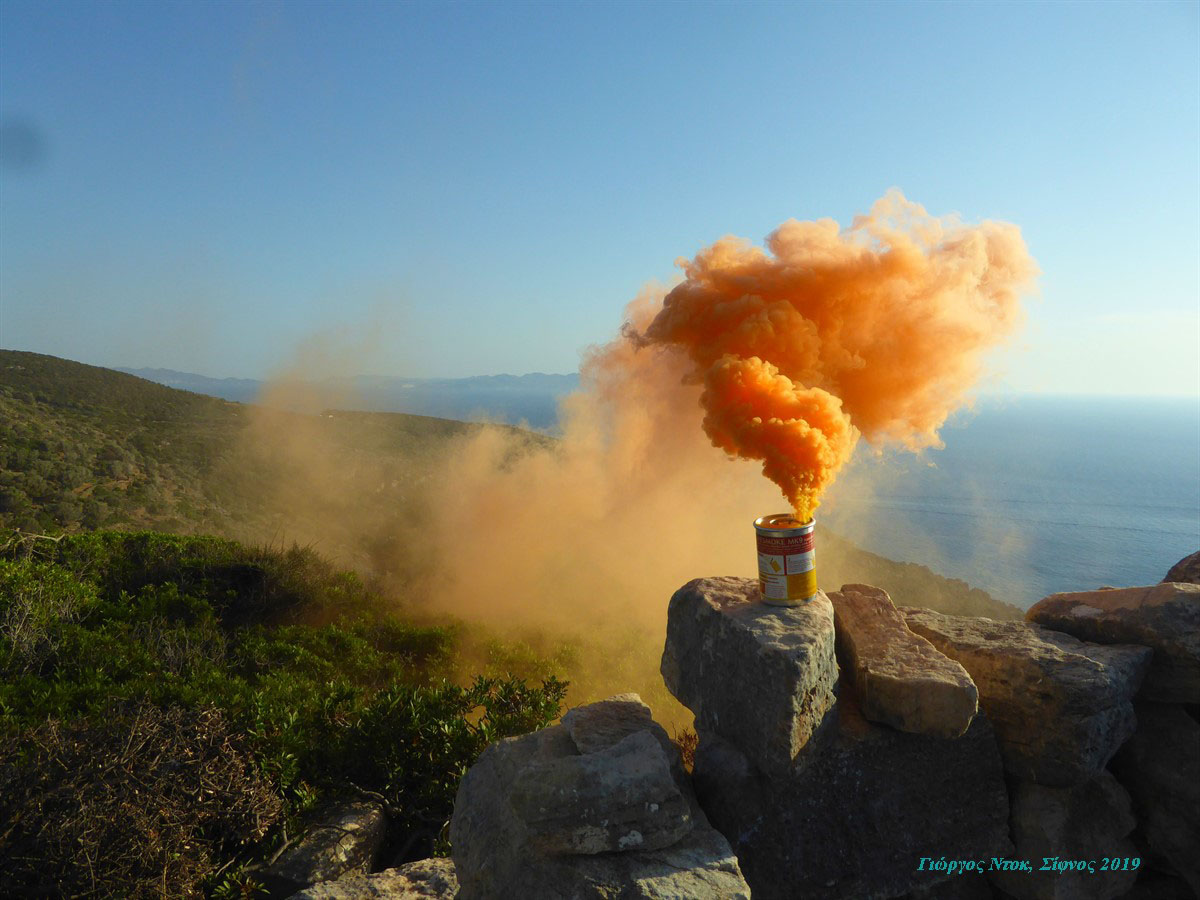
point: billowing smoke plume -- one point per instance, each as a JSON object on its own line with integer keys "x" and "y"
{"x": 878, "y": 330}
{"x": 784, "y": 358}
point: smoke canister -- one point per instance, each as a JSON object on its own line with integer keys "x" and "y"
{"x": 787, "y": 573}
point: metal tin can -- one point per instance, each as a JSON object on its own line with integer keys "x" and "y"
{"x": 787, "y": 570}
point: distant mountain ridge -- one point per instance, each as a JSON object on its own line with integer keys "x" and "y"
{"x": 531, "y": 398}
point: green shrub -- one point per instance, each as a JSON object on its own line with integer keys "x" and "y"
{"x": 326, "y": 693}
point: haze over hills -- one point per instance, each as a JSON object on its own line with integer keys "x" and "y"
{"x": 531, "y": 399}
{"x": 86, "y": 447}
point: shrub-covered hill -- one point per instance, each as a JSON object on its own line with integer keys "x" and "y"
{"x": 88, "y": 447}
{"x": 170, "y": 706}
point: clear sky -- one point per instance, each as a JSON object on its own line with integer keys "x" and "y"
{"x": 460, "y": 189}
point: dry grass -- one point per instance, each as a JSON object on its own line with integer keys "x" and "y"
{"x": 136, "y": 803}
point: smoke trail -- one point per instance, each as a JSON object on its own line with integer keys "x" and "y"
{"x": 879, "y": 329}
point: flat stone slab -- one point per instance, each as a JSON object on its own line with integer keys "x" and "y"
{"x": 345, "y": 839}
{"x": 854, "y": 821}
{"x": 1090, "y": 821}
{"x": 1060, "y": 707}
{"x": 1164, "y": 617}
{"x": 425, "y": 879}
{"x": 620, "y": 797}
{"x": 495, "y": 857}
{"x": 900, "y": 678}
{"x": 761, "y": 676}
{"x": 604, "y": 723}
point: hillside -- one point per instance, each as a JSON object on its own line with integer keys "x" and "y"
{"x": 88, "y": 447}
{"x": 83, "y": 447}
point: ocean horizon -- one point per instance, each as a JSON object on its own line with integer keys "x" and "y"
{"x": 1031, "y": 495}
{"x": 1034, "y": 495}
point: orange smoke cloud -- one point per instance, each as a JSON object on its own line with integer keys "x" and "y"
{"x": 879, "y": 329}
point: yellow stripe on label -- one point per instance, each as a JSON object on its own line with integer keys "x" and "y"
{"x": 802, "y": 586}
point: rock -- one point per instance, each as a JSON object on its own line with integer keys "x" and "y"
{"x": 600, "y": 725}
{"x": 425, "y": 879}
{"x": 1186, "y": 571}
{"x": 968, "y": 887}
{"x": 1164, "y": 617}
{"x": 1156, "y": 886}
{"x": 855, "y": 819}
{"x": 616, "y": 798}
{"x": 1160, "y": 767}
{"x": 496, "y": 858}
{"x": 1060, "y": 707}
{"x": 345, "y": 839}
{"x": 900, "y": 678}
{"x": 1090, "y": 821}
{"x": 725, "y": 647}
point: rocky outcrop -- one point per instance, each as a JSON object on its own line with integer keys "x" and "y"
{"x": 725, "y": 647}
{"x": 509, "y": 841}
{"x": 426, "y": 879}
{"x": 1186, "y": 571}
{"x": 1091, "y": 821}
{"x": 620, "y": 797}
{"x": 345, "y": 839}
{"x": 1060, "y": 707}
{"x": 899, "y": 677}
{"x": 856, "y": 818}
{"x": 1164, "y": 617}
{"x": 1160, "y": 767}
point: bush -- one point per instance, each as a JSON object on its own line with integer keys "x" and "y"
{"x": 136, "y": 802}
{"x": 36, "y": 600}
{"x": 415, "y": 744}
{"x": 329, "y": 696}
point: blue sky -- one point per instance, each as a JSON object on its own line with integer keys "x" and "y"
{"x": 459, "y": 189}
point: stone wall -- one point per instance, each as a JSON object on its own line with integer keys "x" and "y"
{"x": 850, "y": 749}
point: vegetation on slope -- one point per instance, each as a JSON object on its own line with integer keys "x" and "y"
{"x": 270, "y": 672}
{"x": 86, "y": 447}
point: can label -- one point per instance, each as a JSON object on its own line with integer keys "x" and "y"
{"x": 786, "y": 563}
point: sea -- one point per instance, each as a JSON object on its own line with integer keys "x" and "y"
{"x": 1033, "y": 495}
{"x": 1030, "y": 495}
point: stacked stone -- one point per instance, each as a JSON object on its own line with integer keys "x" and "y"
{"x": 946, "y": 739}
{"x": 854, "y": 788}
{"x": 597, "y": 806}
{"x": 1159, "y": 765}
{"x": 1060, "y": 709}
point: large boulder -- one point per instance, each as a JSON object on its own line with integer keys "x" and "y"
{"x": 1160, "y": 767}
{"x": 854, "y": 821}
{"x": 425, "y": 879}
{"x": 499, "y": 828}
{"x": 900, "y": 678}
{"x": 1164, "y": 617}
{"x": 1090, "y": 822}
{"x": 620, "y": 797}
{"x": 762, "y": 676}
{"x": 1060, "y": 707}
{"x": 1187, "y": 570}
{"x": 345, "y": 839}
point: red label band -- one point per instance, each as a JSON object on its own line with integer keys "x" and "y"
{"x": 785, "y": 546}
